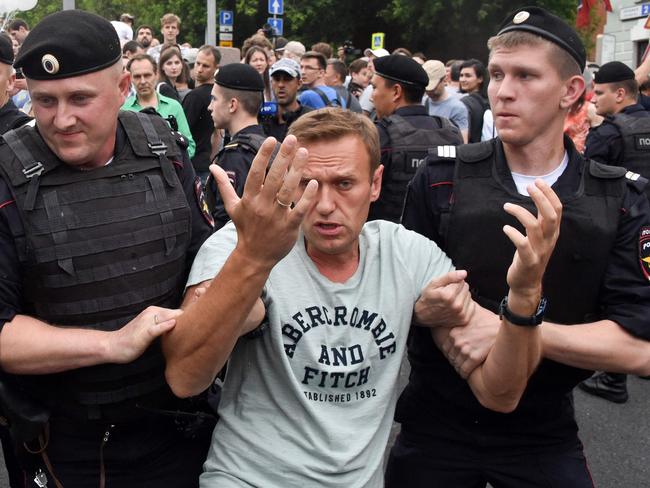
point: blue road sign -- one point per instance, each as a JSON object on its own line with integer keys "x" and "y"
{"x": 277, "y": 24}
{"x": 276, "y": 7}
{"x": 226, "y": 17}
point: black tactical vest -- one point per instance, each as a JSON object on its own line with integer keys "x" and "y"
{"x": 635, "y": 132}
{"x": 409, "y": 148}
{"x": 250, "y": 143}
{"x": 100, "y": 246}
{"x": 475, "y": 241}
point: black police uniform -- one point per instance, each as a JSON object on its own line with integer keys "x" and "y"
{"x": 272, "y": 126}
{"x": 195, "y": 106}
{"x": 11, "y": 117}
{"x": 403, "y": 149}
{"x": 138, "y": 256}
{"x": 235, "y": 158}
{"x": 623, "y": 139}
{"x": 448, "y": 438}
{"x": 92, "y": 249}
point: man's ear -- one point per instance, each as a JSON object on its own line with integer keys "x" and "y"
{"x": 124, "y": 85}
{"x": 233, "y": 105}
{"x": 375, "y": 183}
{"x": 573, "y": 88}
{"x": 11, "y": 82}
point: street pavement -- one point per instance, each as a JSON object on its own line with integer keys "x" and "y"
{"x": 616, "y": 437}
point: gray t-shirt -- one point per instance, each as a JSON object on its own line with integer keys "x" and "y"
{"x": 311, "y": 402}
{"x": 451, "y": 108}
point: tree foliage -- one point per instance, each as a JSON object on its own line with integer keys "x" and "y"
{"x": 440, "y": 28}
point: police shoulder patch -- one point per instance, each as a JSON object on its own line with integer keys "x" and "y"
{"x": 644, "y": 251}
{"x": 181, "y": 140}
{"x": 200, "y": 200}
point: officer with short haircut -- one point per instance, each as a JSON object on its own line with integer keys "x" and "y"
{"x": 406, "y": 130}
{"x": 237, "y": 96}
{"x": 100, "y": 218}
{"x": 623, "y": 139}
{"x": 596, "y": 283}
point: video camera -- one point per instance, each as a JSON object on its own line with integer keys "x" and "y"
{"x": 269, "y": 31}
{"x": 349, "y": 49}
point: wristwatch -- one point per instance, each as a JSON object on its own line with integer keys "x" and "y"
{"x": 514, "y": 319}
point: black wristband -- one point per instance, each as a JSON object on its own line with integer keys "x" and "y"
{"x": 514, "y": 319}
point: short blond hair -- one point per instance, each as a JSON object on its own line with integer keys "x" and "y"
{"x": 170, "y": 19}
{"x": 562, "y": 60}
{"x": 331, "y": 124}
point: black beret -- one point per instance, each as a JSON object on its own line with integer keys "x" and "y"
{"x": 239, "y": 76}
{"x": 402, "y": 69}
{"x": 613, "y": 72}
{"x": 6, "y": 50}
{"x": 68, "y": 43}
{"x": 538, "y": 21}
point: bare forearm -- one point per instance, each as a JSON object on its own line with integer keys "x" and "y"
{"x": 602, "y": 345}
{"x": 501, "y": 380}
{"x": 205, "y": 335}
{"x": 30, "y": 346}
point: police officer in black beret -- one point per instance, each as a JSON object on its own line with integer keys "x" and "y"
{"x": 406, "y": 130}
{"x": 623, "y": 139}
{"x": 596, "y": 285}
{"x": 237, "y": 97}
{"x": 10, "y": 116}
{"x": 100, "y": 217}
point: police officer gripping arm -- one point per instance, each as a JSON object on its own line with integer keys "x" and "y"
{"x": 99, "y": 219}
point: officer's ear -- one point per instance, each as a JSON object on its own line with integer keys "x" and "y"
{"x": 233, "y": 105}
{"x": 11, "y": 80}
{"x": 571, "y": 91}
{"x": 621, "y": 94}
{"x": 397, "y": 92}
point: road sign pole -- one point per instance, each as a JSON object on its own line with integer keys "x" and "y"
{"x": 211, "y": 26}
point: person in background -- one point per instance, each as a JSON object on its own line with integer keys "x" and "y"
{"x": 175, "y": 74}
{"x": 195, "y": 106}
{"x": 143, "y": 71}
{"x": 257, "y": 57}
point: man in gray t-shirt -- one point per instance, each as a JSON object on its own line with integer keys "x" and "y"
{"x": 313, "y": 307}
{"x": 438, "y": 101}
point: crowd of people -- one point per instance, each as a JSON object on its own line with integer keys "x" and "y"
{"x": 210, "y": 271}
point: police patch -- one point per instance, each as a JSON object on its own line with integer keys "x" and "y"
{"x": 200, "y": 200}
{"x": 642, "y": 142}
{"x": 644, "y": 251}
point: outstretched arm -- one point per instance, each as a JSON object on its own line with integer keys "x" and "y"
{"x": 208, "y": 329}
{"x": 501, "y": 380}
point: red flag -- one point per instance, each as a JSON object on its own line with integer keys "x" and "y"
{"x": 584, "y": 9}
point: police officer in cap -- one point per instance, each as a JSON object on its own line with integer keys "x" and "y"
{"x": 598, "y": 298}
{"x": 406, "y": 130}
{"x": 10, "y": 116}
{"x": 237, "y": 97}
{"x": 99, "y": 221}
